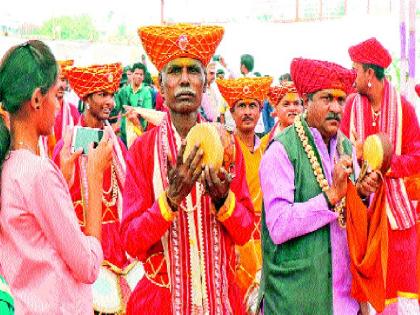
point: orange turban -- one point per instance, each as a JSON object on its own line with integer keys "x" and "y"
{"x": 370, "y": 51}
{"x": 234, "y": 90}
{"x": 276, "y": 93}
{"x": 165, "y": 43}
{"x": 88, "y": 80}
{"x": 311, "y": 76}
{"x": 65, "y": 65}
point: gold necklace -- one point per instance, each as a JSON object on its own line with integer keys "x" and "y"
{"x": 375, "y": 116}
{"x": 316, "y": 167}
{"x": 113, "y": 188}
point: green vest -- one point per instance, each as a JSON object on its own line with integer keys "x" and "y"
{"x": 297, "y": 275}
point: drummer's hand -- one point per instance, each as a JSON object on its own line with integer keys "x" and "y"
{"x": 218, "y": 189}
{"x": 183, "y": 176}
{"x": 342, "y": 170}
{"x": 368, "y": 184}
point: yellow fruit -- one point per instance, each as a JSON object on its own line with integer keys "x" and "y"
{"x": 373, "y": 152}
{"x": 207, "y": 135}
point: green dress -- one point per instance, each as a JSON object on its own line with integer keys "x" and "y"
{"x": 7, "y": 306}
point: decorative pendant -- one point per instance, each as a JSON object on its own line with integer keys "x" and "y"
{"x": 374, "y": 124}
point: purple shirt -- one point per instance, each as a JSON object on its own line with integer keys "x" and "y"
{"x": 286, "y": 219}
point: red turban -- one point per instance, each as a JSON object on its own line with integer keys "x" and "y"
{"x": 88, "y": 80}
{"x": 418, "y": 89}
{"x": 311, "y": 76}
{"x": 370, "y": 51}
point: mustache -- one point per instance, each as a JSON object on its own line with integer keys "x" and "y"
{"x": 246, "y": 118}
{"x": 333, "y": 116}
{"x": 184, "y": 90}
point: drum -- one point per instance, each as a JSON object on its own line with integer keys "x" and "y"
{"x": 108, "y": 294}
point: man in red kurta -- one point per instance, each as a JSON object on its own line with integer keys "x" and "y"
{"x": 95, "y": 86}
{"x": 378, "y": 107}
{"x": 184, "y": 229}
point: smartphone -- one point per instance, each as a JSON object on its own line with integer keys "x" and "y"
{"x": 84, "y": 136}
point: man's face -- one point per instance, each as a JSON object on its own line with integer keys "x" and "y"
{"x": 183, "y": 81}
{"x": 288, "y": 108}
{"x": 137, "y": 77}
{"x": 129, "y": 76}
{"x": 211, "y": 74}
{"x": 101, "y": 105}
{"x": 61, "y": 86}
{"x": 362, "y": 78}
{"x": 325, "y": 110}
{"x": 246, "y": 114}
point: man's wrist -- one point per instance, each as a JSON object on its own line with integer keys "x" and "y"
{"x": 331, "y": 198}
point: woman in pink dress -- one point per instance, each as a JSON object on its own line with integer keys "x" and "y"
{"x": 47, "y": 261}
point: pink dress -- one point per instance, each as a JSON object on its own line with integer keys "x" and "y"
{"x": 47, "y": 261}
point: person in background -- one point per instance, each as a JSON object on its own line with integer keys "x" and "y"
{"x": 245, "y": 97}
{"x": 287, "y": 105}
{"x": 377, "y": 107}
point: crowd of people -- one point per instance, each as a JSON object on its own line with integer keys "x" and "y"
{"x": 293, "y": 220}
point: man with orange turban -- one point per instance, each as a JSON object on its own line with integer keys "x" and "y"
{"x": 379, "y": 108}
{"x": 95, "y": 86}
{"x": 304, "y": 174}
{"x": 183, "y": 229}
{"x": 287, "y": 105}
{"x": 245, "y": 97}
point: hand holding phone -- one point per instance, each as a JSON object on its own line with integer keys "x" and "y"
{"x": 84, "y": 136}
{"x": 100, "y": 158}
{"x": 68, "y": 157}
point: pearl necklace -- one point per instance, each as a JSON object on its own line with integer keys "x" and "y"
{"x": 316, "y": 167}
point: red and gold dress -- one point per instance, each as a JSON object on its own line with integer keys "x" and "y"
{"x": 112, "y": 289}
{"x": 188, "y": 255}
{"x": 399, "y": 121}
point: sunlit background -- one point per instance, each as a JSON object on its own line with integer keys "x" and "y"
{"x": 273, "y": 31}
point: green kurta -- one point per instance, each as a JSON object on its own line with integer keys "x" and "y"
{"x": 297, "y": 275}
{"x": 126, "y": 96}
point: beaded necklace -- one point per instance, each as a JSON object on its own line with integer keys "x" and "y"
{"x": 317, "y": 169}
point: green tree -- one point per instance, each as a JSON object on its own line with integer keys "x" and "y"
{"x": 69, "y": 27}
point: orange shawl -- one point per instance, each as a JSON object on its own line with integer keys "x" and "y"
{"x": 367, "y": 234}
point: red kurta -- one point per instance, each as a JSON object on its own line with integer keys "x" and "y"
{"x": 164, "y": 244}
{"x": 401, "y": 273}
{"x": 112, "y": 246}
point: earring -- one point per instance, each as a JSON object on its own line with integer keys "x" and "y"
{"x": 369, "y": 84}
{"x": 87, "y": 106}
